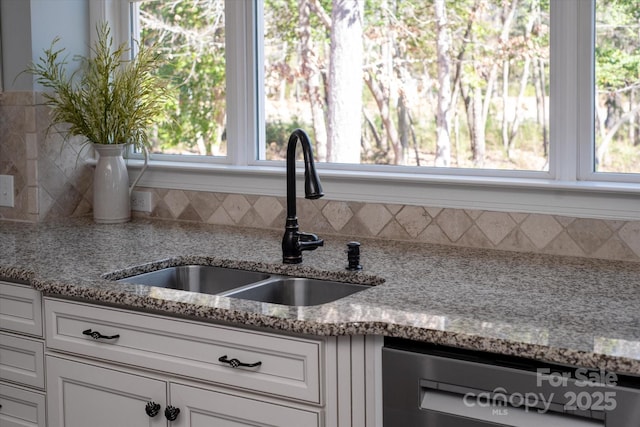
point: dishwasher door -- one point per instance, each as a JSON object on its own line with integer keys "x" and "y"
{"x": 421, "y": 389}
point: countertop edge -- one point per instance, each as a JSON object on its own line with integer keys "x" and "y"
{"x": 192, "y": 311}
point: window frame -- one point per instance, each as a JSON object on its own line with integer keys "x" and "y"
{"x": 569, "y": 188}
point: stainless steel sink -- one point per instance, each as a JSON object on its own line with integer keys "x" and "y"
{"x": 296, "y": 291}
{"x": 248, "y": 285}
{"x": 198, "y": 278}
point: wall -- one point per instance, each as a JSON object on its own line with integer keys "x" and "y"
{"x": 51, "y": 179}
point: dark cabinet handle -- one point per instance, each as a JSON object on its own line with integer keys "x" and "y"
{"x": 171, "y": 413}
{"x": 152, "y": 409}
{"x": 97, "y": 335}
{"x": 235, "y": 363}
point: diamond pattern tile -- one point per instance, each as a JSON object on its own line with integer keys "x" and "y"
{"x": 337, "y": 213}
{"x": 589, "y": 234}
{"x": 495, "y": 225}
{"x": 269, "y": 208}
{"x": 203, "y": 203}
{"x": 454, "y": 223}
{"x": 220, "y": 217}
{"x": 236, "y": 206}
{"x": 541, "y": 229}
{"x": 374, "y": 217}
{"x": 630, "y": 234}
{"x": 176, "y": 202}
{"x": 563, "y": 244}
{"x": 414, "y": 219}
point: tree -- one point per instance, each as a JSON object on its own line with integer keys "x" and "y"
{"x": 344, "y": 94}
{"x": 310, "y": 73}
{"x": 191, "y": 35}
{"x": 373, "y": 76}
{"x": 617, "y": 58}
{"x": 443, "y": 141}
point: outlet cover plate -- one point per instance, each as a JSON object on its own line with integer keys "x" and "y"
{"x": 141, "y": 201}
{"x": 6, "y": 191}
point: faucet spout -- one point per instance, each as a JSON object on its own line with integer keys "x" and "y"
{"x": 294, "y": 241}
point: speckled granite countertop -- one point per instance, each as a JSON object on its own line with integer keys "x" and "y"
{"x": 564, "y": 310}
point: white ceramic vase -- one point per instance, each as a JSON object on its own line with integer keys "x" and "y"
{"x": 111, "y": 190}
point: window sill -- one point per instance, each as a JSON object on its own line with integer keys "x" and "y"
{"x": 608, "y": 200}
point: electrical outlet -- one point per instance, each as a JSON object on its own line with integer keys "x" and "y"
{"x": 6, "y": 191}
{"x": 141, "y": 201}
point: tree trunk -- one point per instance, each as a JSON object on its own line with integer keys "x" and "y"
{"x": 479, "y": 123}
{"x": 611, "y": 132}
{"x": 311, "y": 81}
{"x": 477, "y": 104}
{"x": 505, "y": 106}
{"x": 517, "y": 116}
{"x": 457, "y": 82}
{"x": 541, "y": 107}
{"x": 443, "y": 139}
{"x": 385, "y": 114}
{"x": 632, "y": 119}
{"x": 345, "y": 77}
{"x": 404, "y": 126}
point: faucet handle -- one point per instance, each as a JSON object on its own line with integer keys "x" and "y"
{"x": 308, "y": 241}
{"x": 307, "y": 237}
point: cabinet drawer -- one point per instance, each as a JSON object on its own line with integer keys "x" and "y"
{"x": 289, "y": 366}
{"x": 21, "y": 408}
{"x": 21, "y": 360}
{"x": 20, "y": 309}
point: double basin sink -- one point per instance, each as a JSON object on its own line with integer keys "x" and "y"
{"x": 247, "y": 285}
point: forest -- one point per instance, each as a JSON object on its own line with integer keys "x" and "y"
{"x": 446, "y": 83}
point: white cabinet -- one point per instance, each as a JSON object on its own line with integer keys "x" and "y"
{"x": 21, "y": 407}
{"x": 20, "y": 309}
{"x": 205, "y": 408}
{"x": 105, "y": 364}
{"x": 22, "y": 385}
{"x": 289, "y": 366}
{"x": 82, "y": 395}
{"x": 85, "y": 394}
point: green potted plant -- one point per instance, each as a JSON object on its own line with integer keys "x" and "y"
{"x": 111, "y": 101}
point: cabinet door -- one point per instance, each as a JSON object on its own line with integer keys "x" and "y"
{"x": 206, "y": 408}
{"x": 81, "y": 395}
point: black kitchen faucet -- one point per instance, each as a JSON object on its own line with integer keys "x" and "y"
{"x": 294, "y": 241}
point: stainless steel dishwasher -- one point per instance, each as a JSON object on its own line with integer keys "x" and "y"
{"x": 433, "y": 386}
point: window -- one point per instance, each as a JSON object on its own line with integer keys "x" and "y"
{"x": 419, "y": 83}
{"x": 541, "y": 133}
{"x": 190, "y": 36}
{"x": 617, "y": 59}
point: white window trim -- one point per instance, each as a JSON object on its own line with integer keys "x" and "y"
{"x": 570, "y": 189}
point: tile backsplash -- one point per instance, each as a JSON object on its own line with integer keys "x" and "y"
{"x": 53, "y": 179}
{"x": 549, "y": 234}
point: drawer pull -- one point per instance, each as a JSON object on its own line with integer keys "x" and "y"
{"x": 152, "y": 409}
{"x": 97, "y": 335}
{"x": 171, "y": 413}
{"x": 235, "y": 363}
